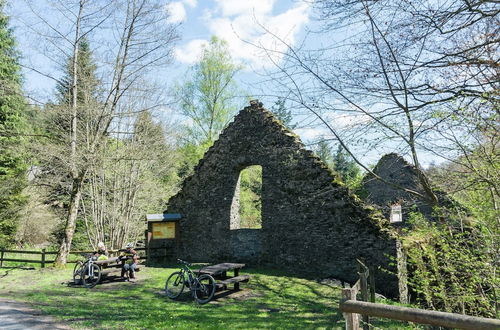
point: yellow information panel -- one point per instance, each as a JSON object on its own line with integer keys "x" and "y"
{"x": 163, "y": 230}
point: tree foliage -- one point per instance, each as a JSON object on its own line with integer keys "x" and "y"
{"x": 251, "y": 197}
{"x": 92, "y": 110}
{"x": 450, "y": 271}
{"x": 285, "y": 115}
{"x": 13, "y": 127}
{"x": 207, "y": 98}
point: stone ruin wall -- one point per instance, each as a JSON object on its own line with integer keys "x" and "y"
{"x": 311, "y": 224}
{"x": 394, "y": 168}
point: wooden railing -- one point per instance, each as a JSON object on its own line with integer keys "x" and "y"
{"x": 352, "y": 309}
{"x": 42, "y": 259}
{"x": 422, "y": 316}
{"x": 366, "y": 286}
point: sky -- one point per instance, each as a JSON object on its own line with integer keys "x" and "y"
{"x": 242, "y": 24}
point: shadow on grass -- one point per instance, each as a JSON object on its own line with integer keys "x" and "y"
{"x": 270, "y": 300}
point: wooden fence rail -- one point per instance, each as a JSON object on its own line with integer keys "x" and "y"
{"x": 354, "y": 309}
{"x": 422, "y": 316}
{"x": 43, "y": 255}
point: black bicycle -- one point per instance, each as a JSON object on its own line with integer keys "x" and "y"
{"x": 202, "y": 286}
{"x": 87, "y": 273}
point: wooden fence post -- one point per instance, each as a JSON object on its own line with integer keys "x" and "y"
{"x": 1, "y": 258}
{"x": 363, "y": 273}
{"x": 43, "y": 258}
{"x": 351, "y": 319}
{"x": 372, "y": 284}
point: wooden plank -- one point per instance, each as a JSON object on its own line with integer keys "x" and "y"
{"x": 241, "y": 278}
{"x": 442, "y": 319}
{"x": 106, "y": 261}
{"x": 43, "y": 258}
{"x": 23, "y": 252}
{"x": 115, "y": 270}
{"x": 23, "y": 260}
{"x": 220, "y": 268}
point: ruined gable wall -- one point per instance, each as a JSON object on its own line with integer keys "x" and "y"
{"x": 310, "y": 223}
{"x": 396, "y": 169}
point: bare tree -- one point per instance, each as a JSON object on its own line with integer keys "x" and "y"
{"x": 141, "y": 40}
{"x": 399, "y": 71}
{"x": 132, "y": 179}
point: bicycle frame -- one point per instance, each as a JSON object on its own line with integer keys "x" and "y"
{"x": 192, "y": 279}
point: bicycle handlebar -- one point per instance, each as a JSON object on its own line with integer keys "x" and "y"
{"x": 183, "y": 262}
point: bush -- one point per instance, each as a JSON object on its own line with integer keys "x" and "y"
{"x": 449, "y": 269}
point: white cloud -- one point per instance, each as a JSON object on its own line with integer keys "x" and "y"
{"x": 309, "y": 133}
{"x": 191, "y": 52}
{"x": 177, "y": 12}
{"x": 191, "y": 3}
{"x": 347, "y": 120}
{"x": 233, "y": 7}
{"x": 239, "y": 23}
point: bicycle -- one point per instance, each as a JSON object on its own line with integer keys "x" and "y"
{"x": 202, "y": 286}
{"x": 87, "y": 272}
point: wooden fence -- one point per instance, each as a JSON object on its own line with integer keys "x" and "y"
{"x": 43, "y": 255}
{"x": 352, "y": 309}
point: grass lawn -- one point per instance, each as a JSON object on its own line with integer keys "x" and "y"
{"x": 270, "y": 300}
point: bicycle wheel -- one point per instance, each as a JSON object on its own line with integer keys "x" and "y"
{"x": 204, "y": 289}
{"x": 77, "y": 273}
{"x": 91, "y": 275}
{"x": 174, "y": 285}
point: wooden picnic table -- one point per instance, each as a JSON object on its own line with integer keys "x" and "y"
{"x": 219, "y": 273}
{"x": 111, "y": 265}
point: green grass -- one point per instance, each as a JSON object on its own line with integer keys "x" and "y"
{"x": 270, "y": 300}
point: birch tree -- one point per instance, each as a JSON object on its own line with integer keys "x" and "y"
{"x": 141, "y": 41}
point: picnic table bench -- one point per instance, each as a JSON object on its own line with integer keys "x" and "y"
{"x": 111, "y": 265}
{"x": 219, "y": 273}
{"x": 91, "y": 276}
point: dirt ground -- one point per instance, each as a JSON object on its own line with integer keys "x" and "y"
{"x": 16, "y": 316}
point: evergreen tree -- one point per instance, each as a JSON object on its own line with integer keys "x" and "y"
{"x": 345, "y": 166}
{"x": 282, "y": 113}
{"x": 55, "y": 155}
{"x": 324, "y": 152}
{"x": 13, "y": 125}
{"x": 88, "y": 82}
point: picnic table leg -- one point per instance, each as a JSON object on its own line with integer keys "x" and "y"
{"x": 236, "y": 284}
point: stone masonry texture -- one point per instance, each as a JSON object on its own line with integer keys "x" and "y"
{"x": 312, "y": 225}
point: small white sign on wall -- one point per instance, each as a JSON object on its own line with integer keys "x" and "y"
{"x": 396, "y": 214}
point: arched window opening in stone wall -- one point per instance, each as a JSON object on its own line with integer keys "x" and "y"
{"x": 246, "y": 209}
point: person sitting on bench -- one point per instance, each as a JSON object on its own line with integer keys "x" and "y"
{"x": 102, "y": 252}
{"x": 129, "y": 261}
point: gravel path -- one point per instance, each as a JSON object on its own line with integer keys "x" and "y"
{"x": 16, "y": 316}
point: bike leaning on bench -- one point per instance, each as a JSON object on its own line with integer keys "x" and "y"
{"x": 202, "y": 286}
{"x": 87, "y": 272}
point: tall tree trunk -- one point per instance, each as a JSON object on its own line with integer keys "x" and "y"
{"x": 77, "y": 179}
{"x": 69, "y": 230}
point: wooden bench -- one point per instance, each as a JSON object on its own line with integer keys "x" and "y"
{"x": 236, "y": 280}
{"x": 219, "y": 272}
{"x": 110, "y": 265}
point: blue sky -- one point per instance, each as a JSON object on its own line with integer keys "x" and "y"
{"x": 242, "y": 24}
{"x": 239, "y": 23}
